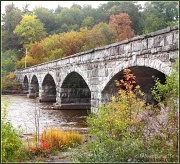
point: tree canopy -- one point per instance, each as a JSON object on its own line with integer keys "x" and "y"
{"x": 30, "y": 29}
{"x": 52, "y": 34}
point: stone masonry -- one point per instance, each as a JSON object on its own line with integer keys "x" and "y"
{"x": 98, "y": 66}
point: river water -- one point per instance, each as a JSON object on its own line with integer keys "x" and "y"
{"x": 22, "y": 112}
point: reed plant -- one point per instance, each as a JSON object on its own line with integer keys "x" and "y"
{"x": 61, "y": 140}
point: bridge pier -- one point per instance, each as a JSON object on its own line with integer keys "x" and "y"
{"x": 33, "y": 91}
{"x": 96, "y": 100}
{"x": 25, "y": 87}
{"x": 72, "y": 106}
{"x": 72, "y": 98}
{"x": 47, "y": 94}
{"x": 32, "y": 95}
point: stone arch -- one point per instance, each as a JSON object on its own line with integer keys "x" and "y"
{"x": 52, "y": 73}
{"x": 143, "y": 72}
{"x": 48, "y": 89}
{"x": 77, "y": 70}
{"x": 25, "y": 83}
{"x": 34, "y": 87}
{"x": 74, "y": 92}
{"x": 155, "y": 64}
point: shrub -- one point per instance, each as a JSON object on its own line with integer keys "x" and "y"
{"x": 50, "y": 140}
{"x": 167, "y": 120}
{"x": 127, "y": 130}
{"x": 10, "y": 83}
{"x": 117, "y": 128}
{"x": 11, "y": 143}
{"x": 60, "y": 140}
{"x": 40, "y": 149}
{"x": 168, "y": 93}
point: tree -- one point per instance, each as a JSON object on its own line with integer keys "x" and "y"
{"x": 65, "y": 44}
{"x": 58, "y": 10}
{"x": 71, "y": 42}
{"x": 37, "y": 51}
{"x": 69, "y": 17}
{"x": 76, "y": 5}
{"x": 101, "y": 35}
{"x": 99, "y": 15}
{"x": 10, "y": 20}
{"x": 46, "y": 17}
{"x": 26, "y": 10}
{"x": 167, "y": 9}
{"x": 30, "y": 29}
{"x": 123, "y": 26}
{"x": 29, "y": 62}
{"x": 159, "y": 15}
{"x": 47, "y": 49}
{"x": 88, "y": 22}
{"x": 153, "y": 23}
{"x": 9, "y": 60}
{"x": 87, "y": 10}
{"x": 131, "y": 8}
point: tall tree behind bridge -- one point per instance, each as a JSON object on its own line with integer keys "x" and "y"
{"x": 159, "y": 15}
{"x": 10, "y": 19}
{"x": 30, "y": 30}
{"x": 122, "y": 25}
{"x": 47, "y": 17}
{"x": 133, "y": 9}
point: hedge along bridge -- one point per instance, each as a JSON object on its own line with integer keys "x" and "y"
{"x": 86, "y": 79}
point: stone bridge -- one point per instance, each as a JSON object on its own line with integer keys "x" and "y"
{"x": 86, "y": 79}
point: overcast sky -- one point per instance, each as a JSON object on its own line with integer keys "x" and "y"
{"x": 50, "y": 4}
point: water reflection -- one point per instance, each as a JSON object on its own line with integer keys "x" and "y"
{"x": 22, "y": 112}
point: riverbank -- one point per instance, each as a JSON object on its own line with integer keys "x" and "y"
{"x": 51, "y": 156}
{"x": 21, "y": 113}
{"x": 56, "y": 157}
{"x": 14, "y": 92}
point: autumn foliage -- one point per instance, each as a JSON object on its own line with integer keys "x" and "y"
{"x": 57, "y": 139}
{"x": 11, "y": 75}
{"x": 122, "y": 25}
{"x": 136, "y": 132}
{"x": 10, "y": 83}
{"x": 42, "y": 148}
{"x": 52, "y": 139}
{"x": 128, "y": 83}
{"x": 64, "y": 44}
{"x": 53, "y": 34}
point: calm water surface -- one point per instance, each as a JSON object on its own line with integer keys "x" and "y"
{"x": 22, "y": 110}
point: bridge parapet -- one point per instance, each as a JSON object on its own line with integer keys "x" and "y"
{"x": 97, "y": 66}
{"x": 160, "y": 41}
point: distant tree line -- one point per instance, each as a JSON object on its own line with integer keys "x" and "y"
{"x": 52, "y": 34}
